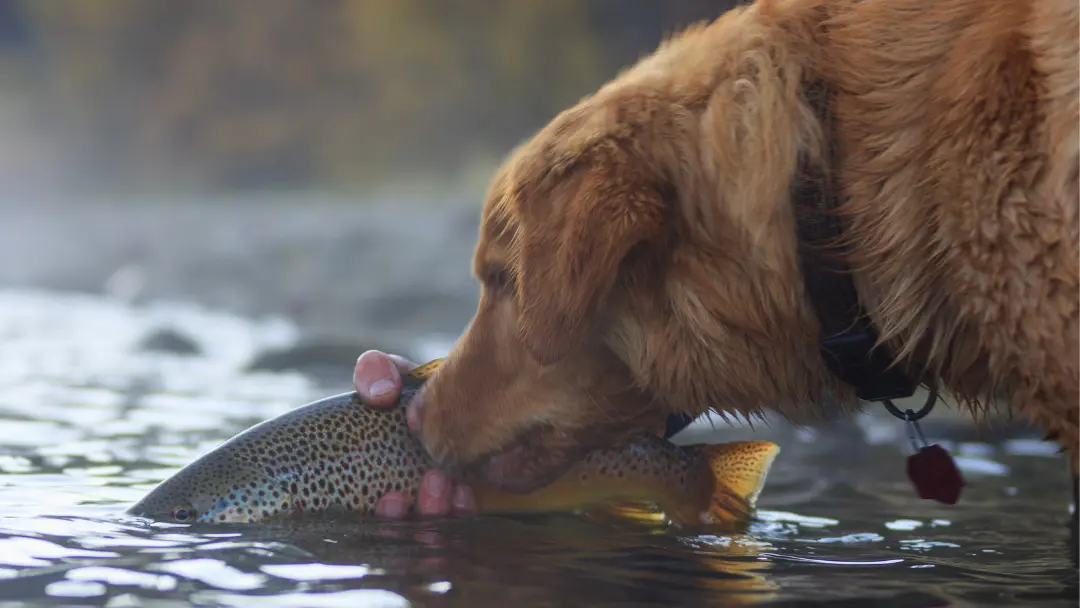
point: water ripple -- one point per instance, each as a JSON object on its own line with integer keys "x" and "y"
{"x": 89, "y": 422}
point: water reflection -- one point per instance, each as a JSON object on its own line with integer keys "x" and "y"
{"x": 89, "y": 422}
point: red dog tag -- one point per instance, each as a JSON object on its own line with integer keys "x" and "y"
{"x": 934, "y": 474}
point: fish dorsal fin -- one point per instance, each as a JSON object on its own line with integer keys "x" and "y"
{"x": 741, "y": 466}
{"x": 419, "y": 374}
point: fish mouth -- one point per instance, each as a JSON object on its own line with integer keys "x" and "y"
{"x": 536, "y": 457}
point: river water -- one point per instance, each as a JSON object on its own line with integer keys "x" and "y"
{"x": 90, "y": 419}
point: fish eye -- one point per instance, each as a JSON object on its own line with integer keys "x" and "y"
{"x": 183, "y": 514}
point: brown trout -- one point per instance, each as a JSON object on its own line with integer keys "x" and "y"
{"x": 338, "y": 456}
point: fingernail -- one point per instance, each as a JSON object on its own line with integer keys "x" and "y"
{"x": 393, "y": 507}
{"x": 435, "y": 485}
{"x": 379, "y": 388}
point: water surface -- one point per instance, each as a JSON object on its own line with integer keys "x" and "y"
{"x": 89, "y": 421}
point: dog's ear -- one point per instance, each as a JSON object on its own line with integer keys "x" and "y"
{"x": 574, "y": 240}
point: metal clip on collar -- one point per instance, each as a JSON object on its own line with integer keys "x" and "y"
{"x": 911, "y": 417}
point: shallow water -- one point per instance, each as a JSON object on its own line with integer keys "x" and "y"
{"x": 89, "y": 422}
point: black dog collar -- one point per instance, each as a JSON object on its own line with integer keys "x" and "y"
{"x": 849, "y": 339}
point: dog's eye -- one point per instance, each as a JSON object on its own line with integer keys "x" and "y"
{"x": 499, "y": 280}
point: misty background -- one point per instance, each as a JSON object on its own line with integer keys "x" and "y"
{"x": 324, "y": 161}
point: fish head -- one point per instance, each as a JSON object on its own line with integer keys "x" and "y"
{"x": 335, "y": 453}
{"x": 220, "y": 487}
{"x": 257, "y": 474}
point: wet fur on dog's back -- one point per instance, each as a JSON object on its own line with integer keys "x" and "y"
{"x": 639, "y": 254}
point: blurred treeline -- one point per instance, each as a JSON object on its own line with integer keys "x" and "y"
{"x": 219, "y": 95}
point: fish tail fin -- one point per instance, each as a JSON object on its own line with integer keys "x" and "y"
{"x": 739, "y": 470}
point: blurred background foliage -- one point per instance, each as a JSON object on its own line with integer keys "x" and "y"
{"x": 203, "y": 96}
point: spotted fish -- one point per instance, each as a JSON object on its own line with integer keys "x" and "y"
{"x": 338, "y": 456}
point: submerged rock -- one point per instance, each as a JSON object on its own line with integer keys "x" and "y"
{"x": 169, "y": 341}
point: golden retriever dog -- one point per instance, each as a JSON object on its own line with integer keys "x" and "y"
{"x": 639, "y": 255}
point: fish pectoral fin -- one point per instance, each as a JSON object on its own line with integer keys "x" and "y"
{"x": 630, "y": 510}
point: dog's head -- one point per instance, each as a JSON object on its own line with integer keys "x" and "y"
{"x": 637, "y": 257}
{"x": 532, "y": 380}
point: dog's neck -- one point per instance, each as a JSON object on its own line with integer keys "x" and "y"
{"x": 751, "y": 343}
{"x": 726, "y": 327}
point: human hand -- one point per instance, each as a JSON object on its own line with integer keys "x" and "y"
{"x": 377, "y": 379}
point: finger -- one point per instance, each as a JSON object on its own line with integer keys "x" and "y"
{"x": 463, "y": 501}
{"x": 394, "y": 505}
{"x": 435, "y": 493}
{"x": 377, "y": 378}
{"x": 400, "y": 362}
{"x": 412, "y": 415}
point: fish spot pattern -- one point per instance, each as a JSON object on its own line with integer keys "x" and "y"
{"x": 647, "y": 458}
{"x": 332, "y": 455}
